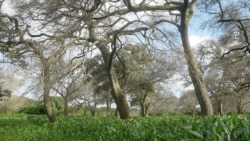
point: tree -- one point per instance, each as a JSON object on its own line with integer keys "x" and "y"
{"x": 98, "y": 80}
{"x": 107, "y": 27}
{"x": 164, "y": 101}
{"x": 11, "y": 36}
{"x": 182, "y": 17}
{"x": 226, "y": 78}
{"x": 233, "y": 18}
{"x": 69, "y": 81}
{"x": 188, "y": 102}
{"x": 46, "y": 64}
{"x": 139, "y": 70}
{"x": 4, "y": 93}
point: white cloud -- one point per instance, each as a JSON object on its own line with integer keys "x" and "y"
{"x": 195, "y": 40}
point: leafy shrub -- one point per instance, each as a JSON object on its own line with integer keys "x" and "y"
{"x": 37, "y": 110}
{"x": 166, "y": 128}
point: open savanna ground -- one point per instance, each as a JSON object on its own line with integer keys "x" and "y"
{"x": 100, "y": 128}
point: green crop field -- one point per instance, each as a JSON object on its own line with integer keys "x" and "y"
{"x": 162, "y": 128}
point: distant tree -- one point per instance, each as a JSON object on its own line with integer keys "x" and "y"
{"x": 232, "y": 19}
{"x": 227, "y": 78}
{"x": 140, "y": 69}
{"x": 188, "y": 102}
{"x": 163, "y": 101}
{"x": 69, "y": 80}
{"x": 4, "y": 93}
{"x": 98, "y": 81}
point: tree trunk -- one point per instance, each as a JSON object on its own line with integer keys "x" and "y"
{"x": 66, "y": 108}
{"x": 147, "y": 109}
{"x": 120, "y": 99}
{"x": 93, "y": 108}
{"x": 239, "y": 105}
{"x": 220, "y": 107}
{"x": 194, "y": 71}
{"x": 144, "y": 104}
{"x": 116, "y": 112}
{"x": 108, "y": 104}
{"x": 116, "y": 91}
{"x": 85, "y": 110}
{"x": 142, "y": 109}
{"x": 46, "y": 95}
{"x": 93, "y": 111}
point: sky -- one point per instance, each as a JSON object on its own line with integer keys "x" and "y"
{"x": 196, "y": 35}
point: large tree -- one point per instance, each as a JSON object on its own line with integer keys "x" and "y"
{"x": 227, "y": 78}
{"x": 109, "y": 26}
{"x": 139, "y": 69}
{"x": 231, "y": 19}
{"x": 182, "y": 13}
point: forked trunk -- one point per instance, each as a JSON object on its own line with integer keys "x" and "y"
{"x": 116, "y": 91}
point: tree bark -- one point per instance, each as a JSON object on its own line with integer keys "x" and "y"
{"x": 116, "y": 91}
{"x": 66, "y": 108}
{"x": 144, "y": 105}
{"x": 142, "y": 110}
{"x": 46, "y": 94}
{"x": 194, "y": 71}
{"x": 147, "y": 109}
{"x": 220, "y": 107}
{"x": 239, "y": 105}
{"x": 119, "y": 98}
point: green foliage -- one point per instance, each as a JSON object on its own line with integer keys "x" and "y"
{"x": 36, "y": 109}
{"x": 57, "y": 104}
{"x": 226, "y": 128}
{"x": 4, "y": 93}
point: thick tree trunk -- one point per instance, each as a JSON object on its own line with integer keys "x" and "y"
{"x": 194, "y": 71}
{"x": 144, "y": 105}
{"x": 93, "y": 111}
{"x": 120, "y": 99}
{"x": 142, "y": 110}
{"x": 66, "y": 107}
{"x": 46, "y": 95}
{"x": 116, "y": 112}
{"x": 239, "y": 105}
{"x": 116, "y": 91}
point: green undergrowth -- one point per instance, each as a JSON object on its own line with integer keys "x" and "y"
{"x": 164, "y": 128}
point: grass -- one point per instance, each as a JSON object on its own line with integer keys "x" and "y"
{"x": 164, "y": 128}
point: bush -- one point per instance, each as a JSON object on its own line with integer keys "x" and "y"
{"x": 36, "y": 110}
{"x": 156, "y": 128}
